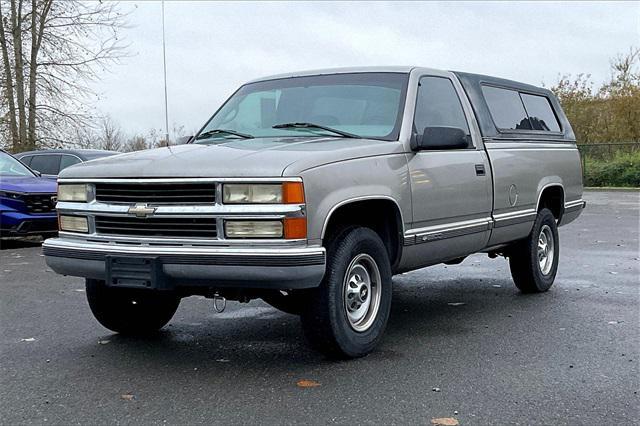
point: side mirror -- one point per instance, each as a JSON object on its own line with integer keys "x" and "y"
{"x": 440, "y": 138}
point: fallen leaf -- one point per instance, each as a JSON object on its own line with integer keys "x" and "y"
{"x": 436, "y": 389}
{"x": 445, "y": 421}
{"x": 305, "y": 383}
{"x": 496, "y": 286}
{"x": 456, "y": 303}
{"x": 612, "y": 322}
{"x": 103, "y": 342}
{"x": 28, "y": 339}
{"x": 127, "y": 397}
{"x": 222, "y": 360}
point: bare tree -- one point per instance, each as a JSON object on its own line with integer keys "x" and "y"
{"x": 110, "y": 137}
{"x": 84, "y": 138}
{"x": 136, "y": 143}
{"x": 51, "y": 51}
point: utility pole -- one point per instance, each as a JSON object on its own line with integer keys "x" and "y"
{"x": 164, "y": 63}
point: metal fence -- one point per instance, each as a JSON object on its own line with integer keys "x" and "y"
{"x": 604, "y": 151}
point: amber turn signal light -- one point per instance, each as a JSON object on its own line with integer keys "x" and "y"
{"x": 292, "y": 193}
{"x": 295, "y": 228}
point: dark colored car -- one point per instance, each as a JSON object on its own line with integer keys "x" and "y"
{"x": 50, "y": 162}
{"x": 27, "y": 201}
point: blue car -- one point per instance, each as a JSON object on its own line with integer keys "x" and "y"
{"x": 27, "y": 201}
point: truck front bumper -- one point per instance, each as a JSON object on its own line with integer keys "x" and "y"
{"x": 189, "y": 266}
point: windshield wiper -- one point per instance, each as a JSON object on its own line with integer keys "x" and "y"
{"x": 215, "y": 132}
{"x": 315, "y": 126}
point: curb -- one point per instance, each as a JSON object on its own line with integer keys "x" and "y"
{"x": 611, "y": 188}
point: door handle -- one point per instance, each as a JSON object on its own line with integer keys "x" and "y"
{"x": 480, "y": 170}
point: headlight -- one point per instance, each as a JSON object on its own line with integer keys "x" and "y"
{"x": 73, "y": 224}
{"x": 253, "y": 229}
{"x": 266, "y": 193}
{"x": 73, "y": 192}
{"x": 12, "y": 195}
{"x": 252, "y": 194}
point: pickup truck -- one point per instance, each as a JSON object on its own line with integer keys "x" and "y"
{"x": 311, "y": 190}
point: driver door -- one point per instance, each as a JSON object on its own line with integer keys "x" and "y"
{"x": 451, "y": 188}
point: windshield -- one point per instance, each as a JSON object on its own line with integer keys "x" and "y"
{"x": 10, "y": 166}
{"x": 367, "y": 105}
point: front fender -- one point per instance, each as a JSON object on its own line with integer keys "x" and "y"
{"x": 332, "y": 185}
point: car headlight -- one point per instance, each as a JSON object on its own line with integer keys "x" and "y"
{"x": 290, "y": 228}
{"x": 263, "y": 193}
{"x": 8, "y": 194}
{"x": 73, "y": 192}
{"x": 73, "y": 223}
{"x": 253, "y": 228}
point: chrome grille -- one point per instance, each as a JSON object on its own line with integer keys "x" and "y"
{"x": 156, "y": 193}
{"x": 39, "y": 203}
{"x": 178, "y": 227}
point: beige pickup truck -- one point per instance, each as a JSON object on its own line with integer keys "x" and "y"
{"x": 311, "y": 190}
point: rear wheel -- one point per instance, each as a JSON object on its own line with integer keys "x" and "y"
{"x": 534, "y": 261}
{"x": 348, "y": 313}
{"x": 130, "y": 311}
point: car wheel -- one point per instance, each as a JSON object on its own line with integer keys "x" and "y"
{"x": 534, "y": 261}
{"x": 348, "y": 312}
{"x": 130, "y": 311}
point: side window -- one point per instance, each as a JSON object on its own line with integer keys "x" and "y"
{"x": 506, "y": 108}
{"x": 26, "y": 159}
{"x": 68, "y": 160}
{"x": 438, "y": 105}
{"x": 540, "y": 113}
{"x": 46, "y": 164}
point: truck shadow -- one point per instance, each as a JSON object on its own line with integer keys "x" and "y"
{"x": 16, "y": 243}
{"x": 259, "y": 338}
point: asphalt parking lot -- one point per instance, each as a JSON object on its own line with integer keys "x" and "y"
{"x": 462, "y": 343}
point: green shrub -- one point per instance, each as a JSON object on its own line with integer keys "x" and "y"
{"x": 621, "y": 170}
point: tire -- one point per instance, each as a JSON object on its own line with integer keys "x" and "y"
{"x": 533, "y": 269}
{"x": 130, "y": 311}
{"x": 338, "y": 320}
{"x": 293, "y": 303}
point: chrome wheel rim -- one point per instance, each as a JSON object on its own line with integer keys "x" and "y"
{"x": 362, "y": 291}
{"x": 546, "y": 249}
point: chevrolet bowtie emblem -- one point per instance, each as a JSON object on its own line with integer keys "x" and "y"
{"x": 141, "y": 210}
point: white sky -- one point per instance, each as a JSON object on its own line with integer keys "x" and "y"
{"x": 213, "y": 47}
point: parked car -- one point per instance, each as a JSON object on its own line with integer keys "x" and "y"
{"x": 50, "y": 162}
{"x": 27, "y": 201}
{"x": 311, "y": 190}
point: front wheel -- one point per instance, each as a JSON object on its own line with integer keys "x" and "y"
{"x": 130, "y": 311}
{"x": 534, "y": 261}
{"x": 350, "y": 309}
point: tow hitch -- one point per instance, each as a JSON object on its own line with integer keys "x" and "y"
{"x": 219, "y": 303}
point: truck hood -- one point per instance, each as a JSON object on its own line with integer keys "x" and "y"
{"x": 27, "y": 184}
{"x": 260, "y": 157}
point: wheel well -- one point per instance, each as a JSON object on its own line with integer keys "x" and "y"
{"x": 552, "y": 198}
{"x": 382, "y": 216}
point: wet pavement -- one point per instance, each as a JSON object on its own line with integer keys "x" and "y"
{"x": 461, "y": 344}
